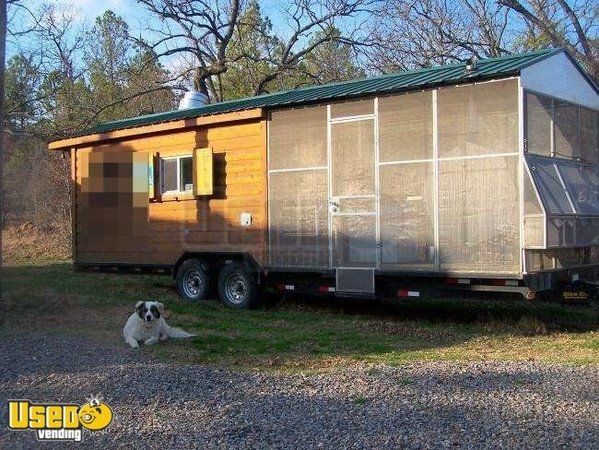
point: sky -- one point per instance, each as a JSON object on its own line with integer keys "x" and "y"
{"x": 137, "y": 17}
{"x": 90, "y": 9}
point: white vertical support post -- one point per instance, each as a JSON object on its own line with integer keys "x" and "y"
{"x": 552, "y": 129}
{"x": 379, "y": 247}
{"x": 521, "y": 138}
{"x": 436, "y": 179}
{"x": 330, "y": 185}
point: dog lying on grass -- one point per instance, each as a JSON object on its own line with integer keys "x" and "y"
{"x": 147, "y": 325}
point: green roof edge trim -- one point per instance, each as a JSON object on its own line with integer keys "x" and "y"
{"x": 489, "y": 68}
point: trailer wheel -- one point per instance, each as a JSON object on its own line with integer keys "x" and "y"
{"x": 192, "y": 280}
{"x": 237, "y": 287}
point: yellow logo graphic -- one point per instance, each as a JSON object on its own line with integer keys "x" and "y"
{"x": 59, "y": 422}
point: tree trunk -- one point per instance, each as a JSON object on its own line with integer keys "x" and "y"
{"x": 2, "y": 58}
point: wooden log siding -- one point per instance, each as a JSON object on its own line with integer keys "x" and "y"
{"x": 210, "y": 223}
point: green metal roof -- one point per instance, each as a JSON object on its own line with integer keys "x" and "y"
{"x": 396, "y": 82}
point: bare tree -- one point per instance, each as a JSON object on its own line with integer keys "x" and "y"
{"x": 62, "y": 39}
{"x": 572, "y": 25}
{"x": 205, "y": 28}
{"x": 201, "y": 28}
{"x": 419, "y": 33}
{"x": 3, "y": 23}
{"x": 313, "y": 24}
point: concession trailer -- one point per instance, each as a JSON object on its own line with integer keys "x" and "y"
{"x": 481, "y": 176}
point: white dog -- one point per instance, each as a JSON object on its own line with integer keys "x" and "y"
{"x": 147, "y": 324}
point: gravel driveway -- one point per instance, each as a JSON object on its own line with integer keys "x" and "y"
{"x": 434, "y": 405}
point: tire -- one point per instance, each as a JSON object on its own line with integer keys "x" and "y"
{"x": 238, "y": 287}
{"x": 193, "y": 282}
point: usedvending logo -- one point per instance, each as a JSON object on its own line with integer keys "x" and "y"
{"x": 59, "y": 421}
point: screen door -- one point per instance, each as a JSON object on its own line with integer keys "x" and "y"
{"x": 353, "y": 200}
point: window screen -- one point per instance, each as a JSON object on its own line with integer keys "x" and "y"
{"x": 556, "y": 127}
{"x": 478, "y": 119}
{"x": 478, "y": 214}
{"x": 580, "y": 187}
{"x": 566, "y": 129}
{"x": 407, "y": 230}
{"x": 352, "y": 156}
{"x": 169, "y": 175}
{"x": 587, "y": 231}
{"x": 352, "y": 108}
{"x": 549, "y": 185}
{"x": 538, "y": 124}
{"x": 582, "y": 182}
{"x": 299, "y": 218}
{"x": 298, "y": 138}
{"x": 186, "y": 174}
{"x": 589, "y": 135}
{"x": 406, "y": 127}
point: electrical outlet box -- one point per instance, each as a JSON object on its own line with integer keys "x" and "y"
{"x": 245, "y": 219}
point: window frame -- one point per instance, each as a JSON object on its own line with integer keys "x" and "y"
{"x": 179, "y": 159}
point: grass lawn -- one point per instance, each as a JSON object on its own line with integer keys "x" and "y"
{"x": 304, "y": 334}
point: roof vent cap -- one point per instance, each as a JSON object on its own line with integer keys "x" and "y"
{"x": 193, "y": 99}
{"x": 471, "y": 65}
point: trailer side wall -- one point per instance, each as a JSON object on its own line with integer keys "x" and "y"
{"x": 122, "y": 216}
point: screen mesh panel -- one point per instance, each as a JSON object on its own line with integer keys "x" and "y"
{"x": 355, "y": 280}
{"x": 298, "y": 138}
{"x": 406, "y": 127}
{"x": 357, "y": 205}
{"x": 561, "y": 232}
{"x": 534, "y": 219}
{"x": 538, "y": 124}
{"x": 589, "y": 135}
{"x": 478, "y": 119}
{"x": 407, "y": 224}
{"x": 549, "y": 185}
{"x": 298, "y": 219}
{"x": 587, "y": 231}
{"x": 352, "y": 108}
{"x": 539, "y": 260}
{"x": 531, "y": 202}
{"x": 478, "y": 215}
{"x": 582, "y": 182}
{"x": 566, "y": 129}
{"x": 534, "y": 231}
{"x": 352, "y": 158}
{"x": 354, "y": 240}
{"x": 574, "y": 128}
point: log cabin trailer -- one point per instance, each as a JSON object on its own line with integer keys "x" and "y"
{"x": 480, "y": 176}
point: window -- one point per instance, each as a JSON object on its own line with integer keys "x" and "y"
{"x": 566, "y": 187}
{"x": 559, "y": 128}
{"x": 177, "y": 174}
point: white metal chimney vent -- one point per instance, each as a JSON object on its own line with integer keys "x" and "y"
{"x": 471, "y": 65}
{"x": 193, "y": 99}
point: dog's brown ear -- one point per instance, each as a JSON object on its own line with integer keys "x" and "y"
{"x": 163, "y": 310}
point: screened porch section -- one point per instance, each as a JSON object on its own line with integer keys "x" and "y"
{"x": 561, "y": 186}
{"x": 423, "y": 181}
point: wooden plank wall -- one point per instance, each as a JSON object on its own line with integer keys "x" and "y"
{"x": 195, "y": 224}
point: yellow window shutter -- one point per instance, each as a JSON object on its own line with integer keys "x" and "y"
{"x": 154, "y": 176}
{"x": 202, "y": 171}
